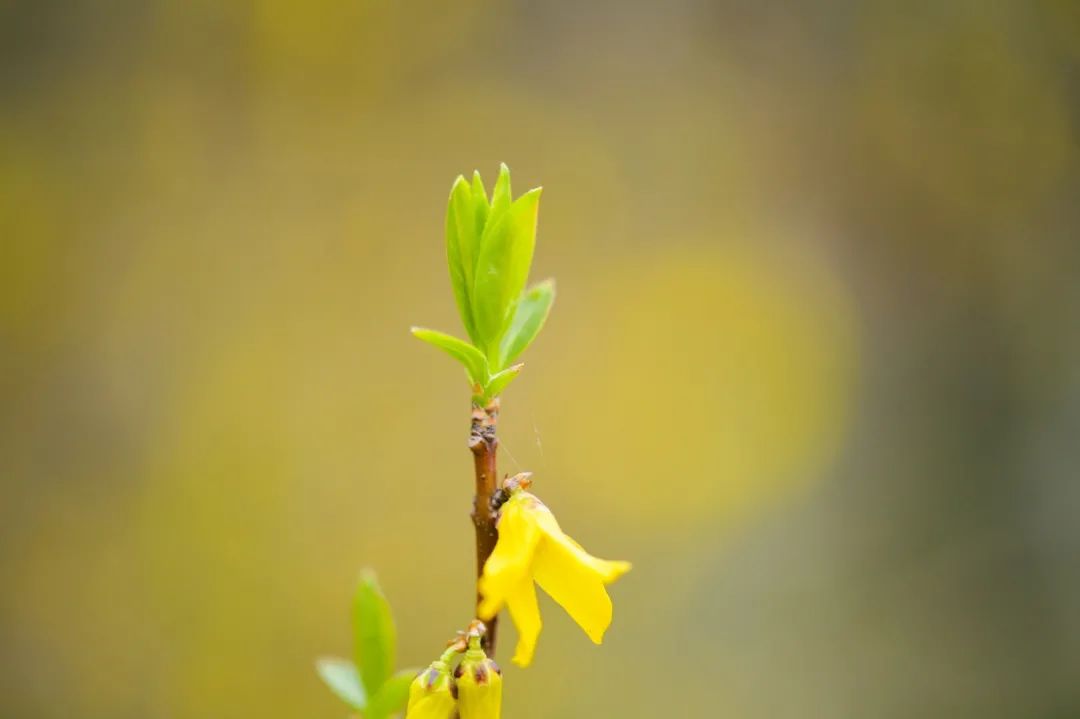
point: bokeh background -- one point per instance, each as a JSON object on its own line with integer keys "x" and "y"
{"x": 814, "y": 365}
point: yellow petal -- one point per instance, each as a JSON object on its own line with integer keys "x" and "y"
{"x": 607, "y": 570}
{"x": 575, "y": 579}
{"x": 526, "y": 615}
{"x": 512, "y": 557}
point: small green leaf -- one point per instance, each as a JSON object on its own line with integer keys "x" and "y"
{"x": 473, "y": 359}
{"x": 462, "y": 245}
{"x": 500, "y": 196}
{"x": 502, "y": 268}
{"x": 393, "y": 695}
{"x": 340, "y": 675}
{"x": 529, "y": 316}
{"x": 480, "y": 202}
{"x": 376, "y": 637}
{"x": 499, "y": 381}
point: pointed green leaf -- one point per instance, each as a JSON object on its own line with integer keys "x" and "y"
{"x": 500, "y": 196}
{"x": 376, "y": 637}
{"x": 462, "y": 245}
{"x": 341, "y": 676}
{"x": 529, "y": 316}
{"x": 523, "y": 215}
{"x": 480, "y": 203}
{"x": 502, "y": 268}
{"x": 499, "y": 381}
{"x": 393, "y": 695}
{"x": 473, "y": 359}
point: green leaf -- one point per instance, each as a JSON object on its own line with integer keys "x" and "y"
{"x": 480, "y": 202}
{"x": 499, "y": 381}
{"x": 376, "y": 637}
{"x": 473, "y": 359}
{"x": 393, "y": 695}
{"x": 462, "y": 245}
{"x": 500, "y": 196}
{"x": 502, "y": 268}
{"x": 529, "y": 316}
{"x": 341, "y": 676}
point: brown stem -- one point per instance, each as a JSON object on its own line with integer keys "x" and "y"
{"x": 484, "y": 443}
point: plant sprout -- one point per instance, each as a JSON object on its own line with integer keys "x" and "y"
{"x": 519, "y": 543}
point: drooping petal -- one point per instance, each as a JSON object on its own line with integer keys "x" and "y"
{"x": 574, "y": 578}
{"x": 607, "y": 570}
{"x": 512, "y": 558}
{"x": 525, "y": 612}
{"x": 575, "y": 586}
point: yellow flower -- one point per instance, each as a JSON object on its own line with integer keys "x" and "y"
{"x": 430, "y": 694}
{"x": 531, "y": 546}
{"x": 479, "y": 684}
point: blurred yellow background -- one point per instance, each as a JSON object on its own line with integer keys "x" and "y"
{"x": 814, "y": 366}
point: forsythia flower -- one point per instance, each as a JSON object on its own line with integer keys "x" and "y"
{"x": 479, "y": 684}
{"x": 430, "y": 694}
{"x": 531, "y": 546}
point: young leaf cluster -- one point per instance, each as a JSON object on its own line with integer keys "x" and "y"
{"x": 489, "y": 250}
{"x": 369, "y": 683}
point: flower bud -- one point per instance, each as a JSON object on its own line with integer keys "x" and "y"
{"x": 479, "y": 684}
{"x": 431, "y": 693}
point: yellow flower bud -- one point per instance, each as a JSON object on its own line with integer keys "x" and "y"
{"x": 431, "y": 693}
{"x": 479, "y": 684}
